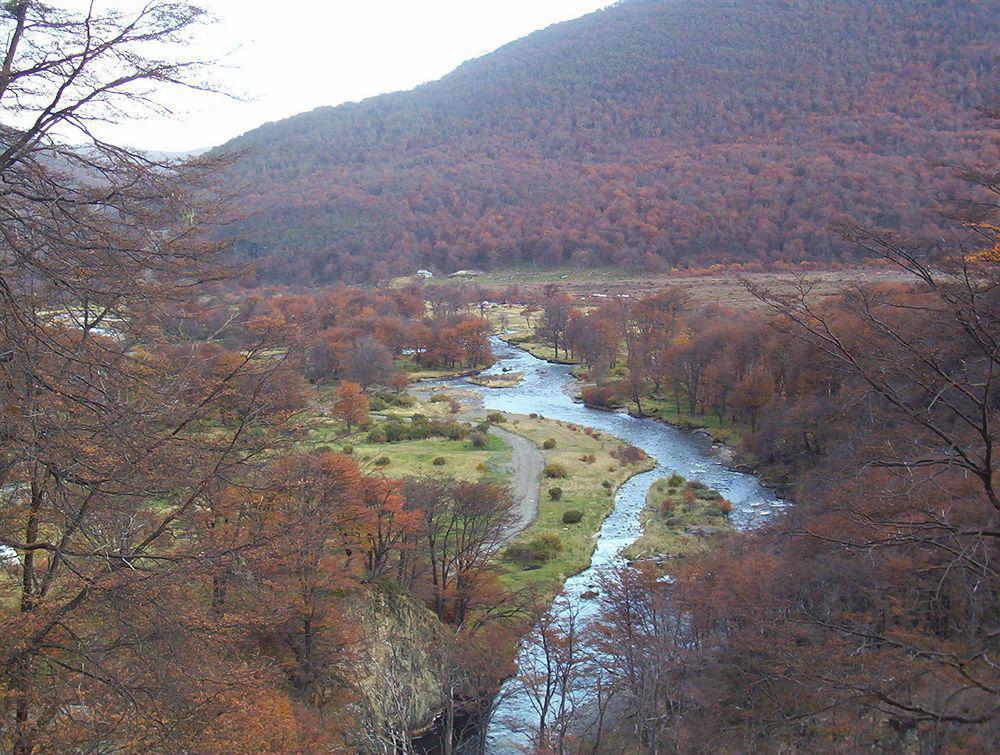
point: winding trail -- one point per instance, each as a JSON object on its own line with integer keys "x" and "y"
{"x": 526, "y": 463}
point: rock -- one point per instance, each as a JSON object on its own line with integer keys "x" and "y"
{"x": 402, "y": 652}
{"x": 589, "y": 595}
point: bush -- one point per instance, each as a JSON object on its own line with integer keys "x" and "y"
{"x": 533, "y": 415}
{"x": 606, "y": 484}
{"x": 556, "y": 471}
{"x": 588, "y": 458}
{"x": 439, "y": 461}
{"x": 382, "y": 461}
{"x": 439, "y": 398}
{"x": 418, "y": 428}
{"x": 404, "y": 400}
{"x": 451, "y": 429}
{"x": 419, "y": 431}
{"x": 477, "y": 439}
{"x": 675, "y": 480}
{"x": 454, "y": 407}
{"x": 666, "y": 506}
{"x": 572, "y": 516}
{"x": 549, "y": 444}
{"x": 555, "y": 493}
{"x": 496, "y": 418}
{"x": 347, "y": 450}
{"x": 630, "y": 455}
{"x": 707, "y": 494}
{"x": 600, "y": 396}
{"x": 483, "y": 427}
{"x": 724, "y": 506}
{"x": 377, "y": 404}
{"x": 535, "y": 552}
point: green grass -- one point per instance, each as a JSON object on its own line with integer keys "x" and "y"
{"x": 665, "y": 534}
{"x": 582, "y": 490}
{"x": 411, "y": 457}
{"x": 665, "y": 408}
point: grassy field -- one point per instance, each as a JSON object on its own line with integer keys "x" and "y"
{"x": 665, "y": 533}
{"x": 414, "y": 458}
{"x": 717, "y": 288}
{"x": 583, "y": 490}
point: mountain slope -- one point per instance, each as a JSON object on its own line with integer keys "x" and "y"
{"x": 653, "y": 133}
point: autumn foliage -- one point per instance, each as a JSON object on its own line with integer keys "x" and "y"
{"x": 651, "y": 135}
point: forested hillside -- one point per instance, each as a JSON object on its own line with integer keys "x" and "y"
{"x": 655, "y": 133}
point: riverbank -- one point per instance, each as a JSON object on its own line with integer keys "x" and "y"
{"x": 583, "y": 471}
{"x": 681, "y": 518}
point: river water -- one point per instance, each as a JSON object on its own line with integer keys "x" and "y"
{"x": 548, "y": 389}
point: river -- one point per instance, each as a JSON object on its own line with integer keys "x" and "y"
{"x": 548, "y": 390}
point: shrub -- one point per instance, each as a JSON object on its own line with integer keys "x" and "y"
{"x": 454, "y": 407}
{"x": 438, "y": 398}
{"x": 348, "y": 450}
{"x": 675, "y": 480}
{"x": 724, "y": 507}
{"x": 572, "y": 516}
{"x": 419, "y": 431}
{"x": 588, "y": 458}
{"x": 477, "y": 439}
{"x": 382, "y": 461}
{"x": 606, "y": 484}
{"x": 535, "y": 552}
{"x": 404, "y": 400}
{"x": 533, "y": 415}
{"x": 707, "y": 494}
{"x": 695, "y": 485}
{"x": 600, "y": 396}
{"x": 377, "y": 435}
{"x": 451, "y": 429}
{"x": 496, "y": 418}
{"x": 666, "y": 506}
{"x": 377, "y": 404}
{"x": 630, "y": 455}
{"x": 549, "y": 444}
{"x": 555, "y": 493}
{"x": 483, "y": 427}
{"x": 480, "y": 467}
{"x": 439, "y": 461}
{"x": 554, "y": 470}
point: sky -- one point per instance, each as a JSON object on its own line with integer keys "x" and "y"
{"x": 282, "y": 57}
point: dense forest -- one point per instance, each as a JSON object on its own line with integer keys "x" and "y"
{"x": 655, "y": 133}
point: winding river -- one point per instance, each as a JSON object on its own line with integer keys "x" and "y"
{"x": 548, "y": 389}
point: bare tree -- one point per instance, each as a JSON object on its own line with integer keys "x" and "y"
{"x": 104, "y": 459}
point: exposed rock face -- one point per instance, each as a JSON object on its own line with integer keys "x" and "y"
{"x": 401, "y": 689}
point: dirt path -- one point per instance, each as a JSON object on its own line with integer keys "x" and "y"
{"x": 526, "y": 464}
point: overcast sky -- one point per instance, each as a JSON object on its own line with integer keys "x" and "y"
{"x": 287, "y": 56}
